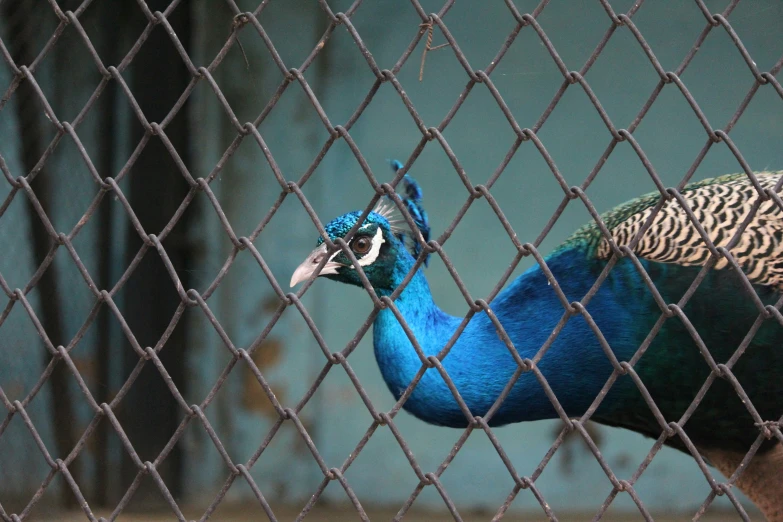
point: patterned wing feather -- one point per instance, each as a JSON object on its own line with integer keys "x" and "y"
{"x": 721, "y": 205}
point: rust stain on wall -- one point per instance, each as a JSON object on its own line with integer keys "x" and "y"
{"x": 266, "y": 356}
{"x": 573, "y": 443}
{"x": 14, "y": 390}
{"x": 270, "y": 304}
{"x": 86, "y": 367}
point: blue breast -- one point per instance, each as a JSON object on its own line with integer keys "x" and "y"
{"x": 481, "y": 365}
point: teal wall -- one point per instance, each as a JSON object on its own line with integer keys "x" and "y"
{"x": 527, "y": 78}
{"x": 67, "y": 77}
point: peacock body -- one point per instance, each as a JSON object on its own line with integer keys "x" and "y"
{"x": 673, "y": 368}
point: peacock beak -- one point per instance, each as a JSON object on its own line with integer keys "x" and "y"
{"x": 308, "y": 266}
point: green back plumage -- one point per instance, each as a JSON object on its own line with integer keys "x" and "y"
{"x": 672, "y": 253}
{"x": 589, "y": 235}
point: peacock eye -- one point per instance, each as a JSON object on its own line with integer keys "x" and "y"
{"x": 361, "y": 245}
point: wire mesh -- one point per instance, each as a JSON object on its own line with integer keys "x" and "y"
{"x": 248, "y": 23}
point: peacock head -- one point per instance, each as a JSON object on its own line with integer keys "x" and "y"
{"x": 377, "y": 244}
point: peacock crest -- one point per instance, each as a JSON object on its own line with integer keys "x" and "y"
{"x": 412, "y": 199}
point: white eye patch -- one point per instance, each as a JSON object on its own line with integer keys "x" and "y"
{"x": 370, "y": 257}
{"x": 331, "y": 258}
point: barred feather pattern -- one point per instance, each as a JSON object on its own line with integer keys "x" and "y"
{"x": 720, "y": 205}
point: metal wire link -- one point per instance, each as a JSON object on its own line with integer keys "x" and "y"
{"x": 153, "y": 243}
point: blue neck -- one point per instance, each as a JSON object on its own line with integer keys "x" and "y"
{"x": 480, "y": 364}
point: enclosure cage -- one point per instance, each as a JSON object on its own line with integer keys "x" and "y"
{"x": 167, "y": 164}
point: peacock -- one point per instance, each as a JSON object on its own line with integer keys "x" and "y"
{"x": 718, "y": 318}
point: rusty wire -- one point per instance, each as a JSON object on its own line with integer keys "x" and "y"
{"x": 248, "y": 22}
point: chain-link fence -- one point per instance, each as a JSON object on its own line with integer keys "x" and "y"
{"x": 135, "y": 301}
